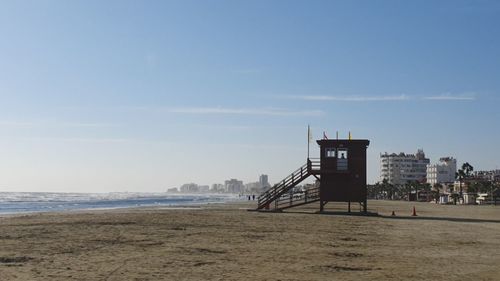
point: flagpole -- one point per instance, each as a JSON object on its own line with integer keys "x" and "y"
{"x": 308, "y": 139}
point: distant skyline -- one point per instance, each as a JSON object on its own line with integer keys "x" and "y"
{"x": 144, "y": 96}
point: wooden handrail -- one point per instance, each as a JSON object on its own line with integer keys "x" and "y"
{"x": 292, "y": 198}
{"x": 275, "y": 192}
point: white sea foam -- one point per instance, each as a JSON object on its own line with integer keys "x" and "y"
{"x": 23, "y": 202}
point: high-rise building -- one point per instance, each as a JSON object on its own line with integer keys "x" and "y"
{"x": 402, "y": 168}
{"x": 442, "y": 172}
{"x": 264, "y": 182}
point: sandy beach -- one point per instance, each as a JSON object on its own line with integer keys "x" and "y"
{"x": 226, "y": 242}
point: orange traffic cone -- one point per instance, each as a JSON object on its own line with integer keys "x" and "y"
{"x": 414, "y": 212}
{"x": 393, "y": 214}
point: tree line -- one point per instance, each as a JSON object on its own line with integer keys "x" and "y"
{"x": 411, "y": 190}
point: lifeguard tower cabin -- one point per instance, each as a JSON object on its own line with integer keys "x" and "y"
{"x": 341, "y": 177}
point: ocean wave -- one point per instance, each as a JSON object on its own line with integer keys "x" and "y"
{"x": 22, "y": 202}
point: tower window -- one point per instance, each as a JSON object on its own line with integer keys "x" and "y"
{"x": 330, "y": 153}
{"x": 342, "y": 162}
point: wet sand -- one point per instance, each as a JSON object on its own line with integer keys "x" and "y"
{"x": 226, "y": 242}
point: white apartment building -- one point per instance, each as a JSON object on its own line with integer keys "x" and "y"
{"x": 442, "y": 172}
{"x": 402, "y": 168}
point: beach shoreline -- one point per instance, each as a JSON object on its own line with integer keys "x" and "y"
{"x": 13, "y": 203}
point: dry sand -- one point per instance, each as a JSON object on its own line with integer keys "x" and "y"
{"x": 226, "y": 242}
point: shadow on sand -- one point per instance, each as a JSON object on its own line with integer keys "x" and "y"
{"x": 371, "y": 214}
{"x": 442, "y": 219}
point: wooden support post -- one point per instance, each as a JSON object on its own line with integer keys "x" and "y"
{"x": 349, "y": 206}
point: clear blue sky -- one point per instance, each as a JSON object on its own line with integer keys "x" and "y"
{"x": 147, "y": 95}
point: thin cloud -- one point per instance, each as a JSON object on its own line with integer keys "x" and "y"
{"x": 55, "y": 124}
{"x": 245, "y": 111}
{"x": 77, "y": 140}
{"x": 16, "y": 124}
{"x": 402, "y": 97}
{"x": 88, "y": 125}
{"x": 450, "y": 97}
{"x": 352, "y": 98}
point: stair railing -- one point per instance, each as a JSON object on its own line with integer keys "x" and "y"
{"x": 297, "y": 198}
{"x": 290, "y": 181}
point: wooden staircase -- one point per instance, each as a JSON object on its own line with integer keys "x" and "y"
{"x": 281, "y": 195}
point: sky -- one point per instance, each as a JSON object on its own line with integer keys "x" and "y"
{"x": 111, "y": 96}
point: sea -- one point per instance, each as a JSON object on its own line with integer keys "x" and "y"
{"x": 32, "y": 202}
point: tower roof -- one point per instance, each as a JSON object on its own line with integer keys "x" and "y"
{"x": 343, "y": 142}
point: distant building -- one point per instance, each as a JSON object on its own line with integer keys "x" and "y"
{"x": 457, "y": 185}
{"x": 264, "y": 182}
{"x": 253, "y": 187}
{"x": 259, "y": 186}
{"x": 234, "y": 186}
{"x": 310, "y": 186}
{"x": 402, "y": 168}
{"x": 217, "y": 188}
{"x": 189, "y": 188}
{"x": 442, "y": 172}
{"x": 493, "y": 175}
{"x": 173, "y": 190}
{"x": 203, "y": 188}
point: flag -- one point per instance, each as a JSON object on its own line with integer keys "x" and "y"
{"x": 324, "y": 135}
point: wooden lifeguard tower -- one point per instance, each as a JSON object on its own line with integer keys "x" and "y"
{"x": 340, "y": 172}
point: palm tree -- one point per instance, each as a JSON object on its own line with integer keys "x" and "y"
{"x": 463, "y": 174}
{"x": 425, "y": 187}
{"x": 406, "y": 190}
{"x": 460, "y": 175}
{"x": 436, "y": 191}
{"x": 467, "y": 168}
{"x": 387, "y": 189}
